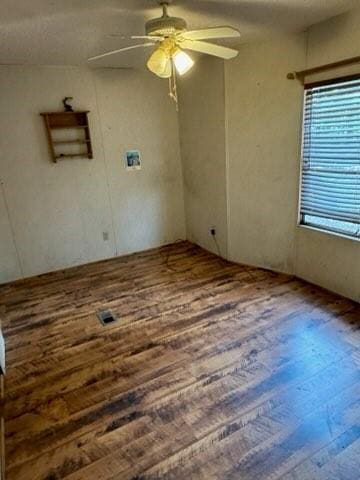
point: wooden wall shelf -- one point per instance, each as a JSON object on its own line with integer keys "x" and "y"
{"x": 69, "y": 122}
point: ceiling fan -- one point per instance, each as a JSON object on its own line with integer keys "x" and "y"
{"x": 171, "y": 37}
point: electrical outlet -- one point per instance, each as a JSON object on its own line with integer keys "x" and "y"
{"x": 105, "y": 236}
{"x": 212, "y": 231}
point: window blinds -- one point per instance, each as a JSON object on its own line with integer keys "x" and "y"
{"x": 331, "y": 154}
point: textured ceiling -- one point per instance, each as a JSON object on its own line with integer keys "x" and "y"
{"x": 67, "y": 32}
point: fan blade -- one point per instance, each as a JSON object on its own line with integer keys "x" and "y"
{"x": 120, "y": 50}
{"x": 209, "y": 48}
{"x": 208, "y": 33}
{"x": 155, "y": 38}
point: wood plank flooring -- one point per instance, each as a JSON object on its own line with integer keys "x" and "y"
{"x": 212, "y": 371}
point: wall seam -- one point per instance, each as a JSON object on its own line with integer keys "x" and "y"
{"x": 182, "y": 169}
{"x": 227, "y": 182}
{"x": 105, "y": 166}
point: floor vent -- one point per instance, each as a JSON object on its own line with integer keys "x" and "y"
{"x": 106, "y": 317}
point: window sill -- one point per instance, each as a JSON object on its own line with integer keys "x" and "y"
{"x": 328, "y": 232}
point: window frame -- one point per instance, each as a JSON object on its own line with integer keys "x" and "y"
{"x": 300, "y": 220}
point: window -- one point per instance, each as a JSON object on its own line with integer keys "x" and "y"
{"x": 330, "y": 174}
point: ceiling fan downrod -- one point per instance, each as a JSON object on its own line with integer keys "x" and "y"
{"x": 164, "y": 6}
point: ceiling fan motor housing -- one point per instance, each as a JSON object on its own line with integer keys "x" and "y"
{"x": 165, "y": 26}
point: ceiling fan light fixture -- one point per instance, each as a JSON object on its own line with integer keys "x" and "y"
{"x": 160, "y": 63}
{"x": 182, "y": 61}
{"x": 170, "y": 36}
{"x": 168, "y": 69}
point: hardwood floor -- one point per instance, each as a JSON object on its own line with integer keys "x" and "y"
{"x": 212, "y": 371}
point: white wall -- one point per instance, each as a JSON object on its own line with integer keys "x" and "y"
{"x": 136, "y": 112}
{"x": 202, "y": 133}
{"x": 334, "y": 39}
{"x": 263, "y": 111}
{"x": 58, "y": 212}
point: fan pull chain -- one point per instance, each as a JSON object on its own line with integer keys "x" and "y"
{"x": 173, "y": 87}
